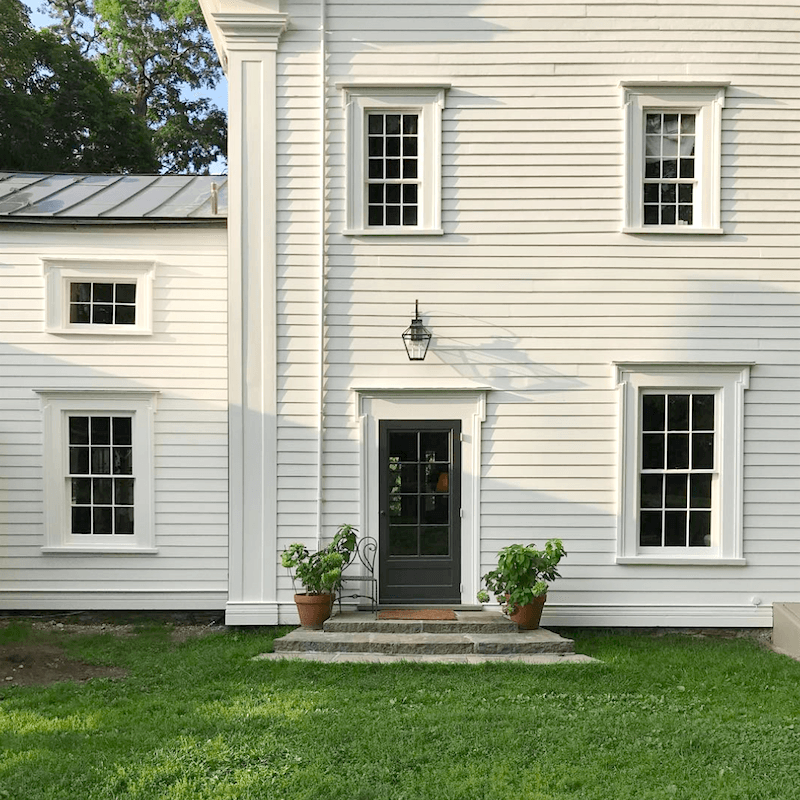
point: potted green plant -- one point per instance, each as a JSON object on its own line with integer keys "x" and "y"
{"x": 520, "y": 581}
{"x": 320, "y": 573}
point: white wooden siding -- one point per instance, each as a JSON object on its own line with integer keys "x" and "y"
{"x": 532, "y": 290}
{"x": 185, "y": 360}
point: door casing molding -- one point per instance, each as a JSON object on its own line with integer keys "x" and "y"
{"x": 468, "y": 405}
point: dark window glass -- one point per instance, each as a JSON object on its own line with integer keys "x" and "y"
{"x": 81, "y": 519}
{"x": 103, "y": 292}
{"x": 79, "y": 430}
{"x": 434, "y": 509}
{"x": 703, "y": 412}
{"x": 125, "y": 315}
{"x": 101, "y": 430}
{"x": 80, "y": 314}
{"x": 653, "y": 412}
{"x": 123, "y": 461}
{"x": 392, "y": 124}
{"x": 123, "y": 521}
{"x": 678, "y": 412}
{"x": 653, "y": 451}
{"x": 101, "y": 460}
{"x": 102, "y": 315}
{"x": 375, "y": 123}
{"x": 123, "y": 491}
{"x": 651, "y": 491}
{"x": 392, "y": 215}
{"x": 79, "y": 460}
{"x": 403, "y": 445}
{"x": 675, "y": 496}
{"x": 80, "y": 293}
{"x": 102, "y": 518}
{"x": 677, "y": 451}
{"x": 434, "y": 446}
{"x": 81, "y": 491}
{"x": 650, "y": 529}
{"x": 101, "y": 491}
{"x": 393, "y": 193}
{"x": 675, "y": 528}
{"x": 700, "y": 529}
{"x": 703, "y": 451}
{"x": 700, "y": 491}
{"x": 375, "y": 215}
{"x": 125, "y": 292}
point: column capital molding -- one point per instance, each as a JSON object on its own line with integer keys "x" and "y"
{"x": 246, "y": 31}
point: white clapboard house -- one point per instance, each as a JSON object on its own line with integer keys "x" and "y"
{"x": 597, "y": 208}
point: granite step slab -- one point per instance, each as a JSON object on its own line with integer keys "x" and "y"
{"x": 440, "y": 658}
{"x": 540, "y": 641}
{"x": 465, "y": 622}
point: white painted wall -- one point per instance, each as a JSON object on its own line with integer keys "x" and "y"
{"x": 533, "y": 290}
{"x": 185, "y": 360}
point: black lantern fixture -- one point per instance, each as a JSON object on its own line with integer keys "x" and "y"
{"x": 416, "y": 337}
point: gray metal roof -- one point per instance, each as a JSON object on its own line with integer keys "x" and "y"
{"x": 39, "y": 196}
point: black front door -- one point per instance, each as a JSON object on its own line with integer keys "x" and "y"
{"x": 420, "y": 506}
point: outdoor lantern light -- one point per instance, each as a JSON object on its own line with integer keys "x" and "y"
{"x": 416, "y": 337}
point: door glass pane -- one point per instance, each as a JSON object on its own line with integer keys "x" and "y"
{"x": 403, "y": 509}
{"x": 436, "y": 478}
{"x": 402, "y": 446}
{"x": 434, "y": 508}
{"x": 434, "y": 445}
{"x": 402, "y": 478}
{"x": 435, "y": 541}
{"x": 402, "y": 540}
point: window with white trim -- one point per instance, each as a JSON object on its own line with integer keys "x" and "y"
{"x": 393, "y": 159}
{"x": 672, "y": 158}
{"x": 98, "y": 469}
{"x": 681, "y": 462}
{"x": 98, "y": 297}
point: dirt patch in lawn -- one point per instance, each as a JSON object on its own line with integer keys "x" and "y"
{"x": 33, "y": 664}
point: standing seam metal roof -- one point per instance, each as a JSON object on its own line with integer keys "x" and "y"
{"x": 157, "y": 197}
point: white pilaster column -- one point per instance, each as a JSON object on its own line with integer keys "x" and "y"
{"x": 250, "y": 42}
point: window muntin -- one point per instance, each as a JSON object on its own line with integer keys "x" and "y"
{"x": 101, "y": 475}
{"x": 392, "y": 169}
{"x": 102, "y": 303}
{"x": 669, "y": 171}
{"x": 677, "y": 476}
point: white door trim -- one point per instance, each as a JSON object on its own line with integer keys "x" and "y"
{"x": 468, "y": 405}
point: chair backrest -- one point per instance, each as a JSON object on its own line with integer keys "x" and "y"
{"x": 364, "y": 553}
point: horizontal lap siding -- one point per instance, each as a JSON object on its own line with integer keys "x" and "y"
{"x": 533, "y": 290}
{"x": 185, "y": 360}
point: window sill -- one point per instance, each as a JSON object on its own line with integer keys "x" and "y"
{"x": 672, "y": 230}
{"x": 99, "y": 550}
{"x": 100, "y": 330}
{"x": 683, "y": 562}
{"x": 393, "y": 232}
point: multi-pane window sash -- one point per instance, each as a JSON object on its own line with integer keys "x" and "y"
{"x": 677, "y": 469}
{"x": 393, "y": 183}
{"x": 102, "y": 303}
{"x": 101, "y": 475}
{"x": 669, "y": 171}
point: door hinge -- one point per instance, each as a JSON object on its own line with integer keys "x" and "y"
{"x": 460, "y": 437}
{"x": 461, "y": 513}
{"x": 461, "y": 588}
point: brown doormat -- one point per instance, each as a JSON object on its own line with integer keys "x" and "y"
{"x": 422, "y": 613}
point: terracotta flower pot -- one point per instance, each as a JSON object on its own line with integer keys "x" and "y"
{"x": 528, "y": 617}
{"x": 313, "y": 609}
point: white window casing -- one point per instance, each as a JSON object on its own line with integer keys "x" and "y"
{"x": 702, "y": 100}
{"x": 425, "y": 100}
{"x": 61, "y": 273}
{"x": 726, "y": 382}
{"x": 58, "y": 405}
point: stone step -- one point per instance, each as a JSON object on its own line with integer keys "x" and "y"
{"x": 540, "y": 641}
{"x": 465, "y": 622}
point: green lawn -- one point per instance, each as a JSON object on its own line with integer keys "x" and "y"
{"x": 665, "y": 717}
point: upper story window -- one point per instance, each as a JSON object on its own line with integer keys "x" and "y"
{"x": 393, "y": 159}
{"x": 681, "y": 462}
{"x": 98, "y": 297}
{"x": 102, "y": 303}
{"x": 673, "y": 157}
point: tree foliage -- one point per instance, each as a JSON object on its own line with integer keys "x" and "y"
{"x": 155, "y": 54}
{"x": 57, "y": 111}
